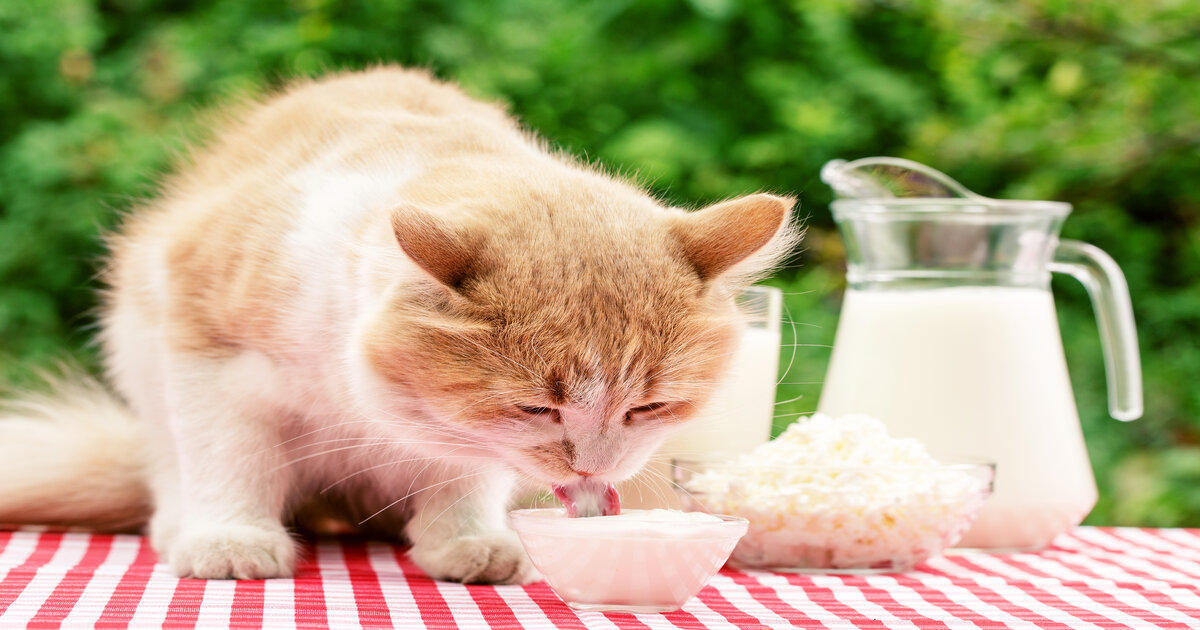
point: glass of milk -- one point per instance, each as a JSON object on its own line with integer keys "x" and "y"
{"x": 948, "y": 334}
{"x": 737, "y": 417}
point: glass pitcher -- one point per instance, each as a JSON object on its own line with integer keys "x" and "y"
{"x": 948, "y": 333}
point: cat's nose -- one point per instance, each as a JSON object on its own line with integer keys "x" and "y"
{"x": 581, "y": 473}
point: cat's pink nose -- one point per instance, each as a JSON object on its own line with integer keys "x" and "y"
{"x": 581, "y": 473}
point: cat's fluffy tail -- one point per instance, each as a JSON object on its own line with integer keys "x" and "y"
{"x": 74, "y": 457}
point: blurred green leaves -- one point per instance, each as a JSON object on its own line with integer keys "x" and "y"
{"x": 1092, "y": 103}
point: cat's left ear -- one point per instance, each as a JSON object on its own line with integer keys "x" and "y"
{"x": 449, "y": 253}
{"x": 716, "y": 239}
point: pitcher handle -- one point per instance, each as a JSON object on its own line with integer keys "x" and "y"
{"x": 1109, "y": 292}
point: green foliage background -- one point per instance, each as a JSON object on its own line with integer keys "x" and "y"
{"x": 1094, "y": 103}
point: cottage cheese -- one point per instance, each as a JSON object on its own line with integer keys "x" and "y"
{"x": 839, "y": 493}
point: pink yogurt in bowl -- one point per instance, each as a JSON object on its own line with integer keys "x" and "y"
{"x": 637, "y": 561}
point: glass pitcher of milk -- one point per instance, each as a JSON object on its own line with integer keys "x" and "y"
{"x": 948, "y": 333}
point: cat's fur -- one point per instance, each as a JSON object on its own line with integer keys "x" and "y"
{"x": 343, "y": 304}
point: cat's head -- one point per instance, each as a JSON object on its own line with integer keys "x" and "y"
{"x": 571, "y": 333}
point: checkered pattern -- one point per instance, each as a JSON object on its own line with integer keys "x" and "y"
{"x": 1092, "y": 578}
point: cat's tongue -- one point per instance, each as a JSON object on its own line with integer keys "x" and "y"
{"x": 589, "y": 497}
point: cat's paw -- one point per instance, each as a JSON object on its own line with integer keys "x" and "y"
{"x": 492, "y": 558}
{"x": 244, "y": 552}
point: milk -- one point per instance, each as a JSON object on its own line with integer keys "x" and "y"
{"x": 736, "y": 419}
{"x": 972, "y": 371}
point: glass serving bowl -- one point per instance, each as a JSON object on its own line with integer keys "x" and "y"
{"x": 838, "y": 519}
{"x": 634, "y": 564}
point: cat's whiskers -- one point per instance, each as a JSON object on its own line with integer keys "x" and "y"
{"x": 787, "y": 313}
{"x": 794, "y": 413}
{"x": 644, "y": 479}
{"x": 419, "y": 474}
{"x": 441, "y": 485}
{"x": 465, "y": 495}
{"x": 527, "y": 423}
{"x": 378, "y": 439}
{"x": 790, "y": 400}
{"x": 329, "y": 427}
{"x": 297, "y": 460}
{"x": 668, "y": 410}
{"x": 397, "y": 462}
{"x": 366, "y": 444}
{"x": 372, "y": 439}
{"x": 659, "y": 488}
{"x": 682, "y": 488}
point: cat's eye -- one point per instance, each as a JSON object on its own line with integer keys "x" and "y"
{"x": 642, "y": 411}
{"x": 540, "y": 411}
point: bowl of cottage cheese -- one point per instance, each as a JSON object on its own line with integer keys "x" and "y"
{"x": 839, "y": 495}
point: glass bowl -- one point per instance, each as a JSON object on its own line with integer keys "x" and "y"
{"x": 634, "y": 564}
{"x": 838, "y": 519}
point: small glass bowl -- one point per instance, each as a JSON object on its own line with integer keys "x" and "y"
{"x": 838, "y": 519}
{"x": 632, "y": 565}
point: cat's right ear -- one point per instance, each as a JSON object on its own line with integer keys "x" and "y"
{"x": 448, "y": 253}
{"x": 754, "y": 229}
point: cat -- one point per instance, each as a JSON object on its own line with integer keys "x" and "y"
{"x": 374, "y": 298}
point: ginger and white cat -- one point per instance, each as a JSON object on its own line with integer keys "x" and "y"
{"x": 374, "y": 297}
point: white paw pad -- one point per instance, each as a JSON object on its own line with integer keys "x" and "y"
{"x": 244, "y": 552}
{"x": 485, "y": 559}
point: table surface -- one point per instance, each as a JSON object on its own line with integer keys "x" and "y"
{"x": 1090, "y": 578}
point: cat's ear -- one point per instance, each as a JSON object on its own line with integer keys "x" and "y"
{"x": 717, "y": 238}
{"x": 448, "y": 253}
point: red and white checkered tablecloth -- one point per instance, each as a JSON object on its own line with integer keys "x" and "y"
{"x": 1092, "y": 578}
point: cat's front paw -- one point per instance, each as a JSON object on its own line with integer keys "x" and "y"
{"x": 244, "y": 552}
{"x": 492, "y": 558}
